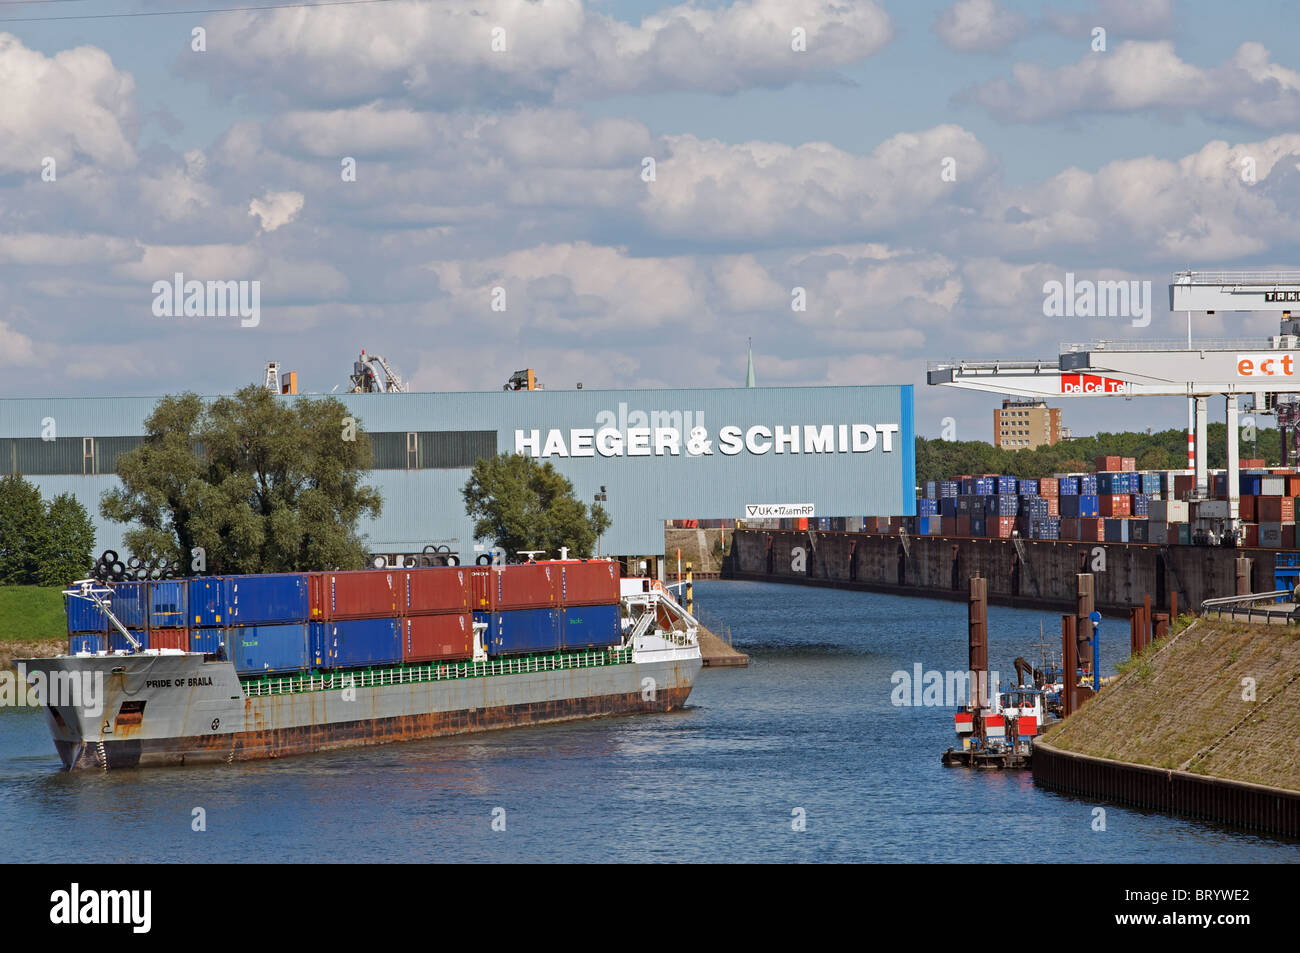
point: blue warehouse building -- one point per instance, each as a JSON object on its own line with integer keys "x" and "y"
{"x": 659, "y": 454}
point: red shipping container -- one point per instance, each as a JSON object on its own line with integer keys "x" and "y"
{"x": 1109, "y": 464}
{"x": 429, "y": 637}
{"x": 1000, "y": 527}
{"x": 1069, "y": 527}
{"x": 1252, "y": 534}
{"x": 1053, "y": 506}
{"x": 526, "y": 586}
{"x": 1092, "y": 529}
{"x": 364, "y": 594}
{"x": 1049, "y": 488}
{"x": 1184, "y": 484}
{"x": 1115, "y": 506}
{"x": 1275, "y": 509}
{"x": 1288, "y": 535}
{"x": 589, "y": 583}
{"x": 801, "y": 522}
{"x": 1128, "y": 464}
{"x": 1251, "y": 464}
{"x": 169, "y": 639}
{"x": 1293, "y": 486}
{"x": 436, "y": 589}
{"x": 1246, "y": 509}
{"x": 963, "y": 525}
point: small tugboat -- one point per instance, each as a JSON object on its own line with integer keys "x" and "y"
{"x": 1001, "y": 734}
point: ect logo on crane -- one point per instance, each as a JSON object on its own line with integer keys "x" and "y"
{"x": 1091, "y": 384}
{"x": 1265, "y": 365}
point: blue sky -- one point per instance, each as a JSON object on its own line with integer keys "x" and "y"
{"x": 521, "y": 170}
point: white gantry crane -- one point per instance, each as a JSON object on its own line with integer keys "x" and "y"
{"x": 1198, "y": 371}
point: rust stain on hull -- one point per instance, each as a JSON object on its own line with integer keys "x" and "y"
{"x": 262, "y": 742}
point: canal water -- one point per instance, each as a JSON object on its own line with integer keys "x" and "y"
{"x": 801, "y": 757}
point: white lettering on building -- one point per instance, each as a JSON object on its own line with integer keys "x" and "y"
{"x": 640, "y": 439}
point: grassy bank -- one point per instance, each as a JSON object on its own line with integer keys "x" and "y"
{"x": 32, "y": 623}
{"x": 1185, "y": 703}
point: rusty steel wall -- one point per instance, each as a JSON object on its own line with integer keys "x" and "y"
{"x": 939, "y": 566}
{"x": 1251, "y": 806}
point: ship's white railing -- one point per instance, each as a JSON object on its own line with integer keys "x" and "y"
{"x": 432, "y": 672}
{"x": 650, "y": 602}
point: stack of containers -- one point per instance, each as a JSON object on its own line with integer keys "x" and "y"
{"x": 260, "y": 620}
{"x": 289, "y": 622}
{"x": 545, "y": 607}
{"x": 88, "y": 627}
{"x": 437, "y": 621}
{"x": 355, "y": 618}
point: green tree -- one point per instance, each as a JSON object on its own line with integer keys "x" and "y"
{"x": 21, "y": 514}
{"x": 66, "y": 542}
{"x": 260, "y": 484}
{"x": 521, "y": 505}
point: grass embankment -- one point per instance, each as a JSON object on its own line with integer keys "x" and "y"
{"x": 1183, "y": 704}
{"x": 32, "y": 623}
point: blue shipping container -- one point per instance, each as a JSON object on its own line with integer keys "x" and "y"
{"x": 356, "y": 643}
{"x": 85, "y": 642}
{"x": 85, "y": 616}
{"x": 257, "y": 649}
{"x": 248, "y": 600}
{"x": 1028, "y": 487}
{"x": 167, "y": 604}
{"x": 948, "y": 506}
{"x": 127, "y": 602}
{"x": 927, "y": 507}
{"x": 266, "y": 599}
{"x": 117, "y": 642}
{"x": 1088, "y": 484}
{"x": 522, "y": 631}
{"x": 209, "y": 641}
{"x": 1068, "y": 486}
{"x": 591, "y": 627}
{"x": 948, "y": 488}
{"x": 204, "y": 601}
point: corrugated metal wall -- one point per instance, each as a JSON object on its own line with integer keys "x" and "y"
{"x": 452, "y": 430}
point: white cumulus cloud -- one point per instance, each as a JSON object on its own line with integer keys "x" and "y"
{"x": 275, "y": 209}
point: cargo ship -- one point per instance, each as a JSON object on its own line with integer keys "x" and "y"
{"x": 239, "y": 668}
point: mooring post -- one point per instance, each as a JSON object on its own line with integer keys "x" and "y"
{"x": 1146, "y": 621}
{"x": 1083, "y": 608}
{"x": 690, "y": 589}
{"x": 1069, "y": 646}
{"x": 1243, "y": 576}
{"x": 978, "y": 641}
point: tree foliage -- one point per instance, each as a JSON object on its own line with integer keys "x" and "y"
{"x": 45, "y": 544}
{"x": 525, "y": 505}
{"x": 258, "y": 483}
{"x": 1165, "y": 450}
